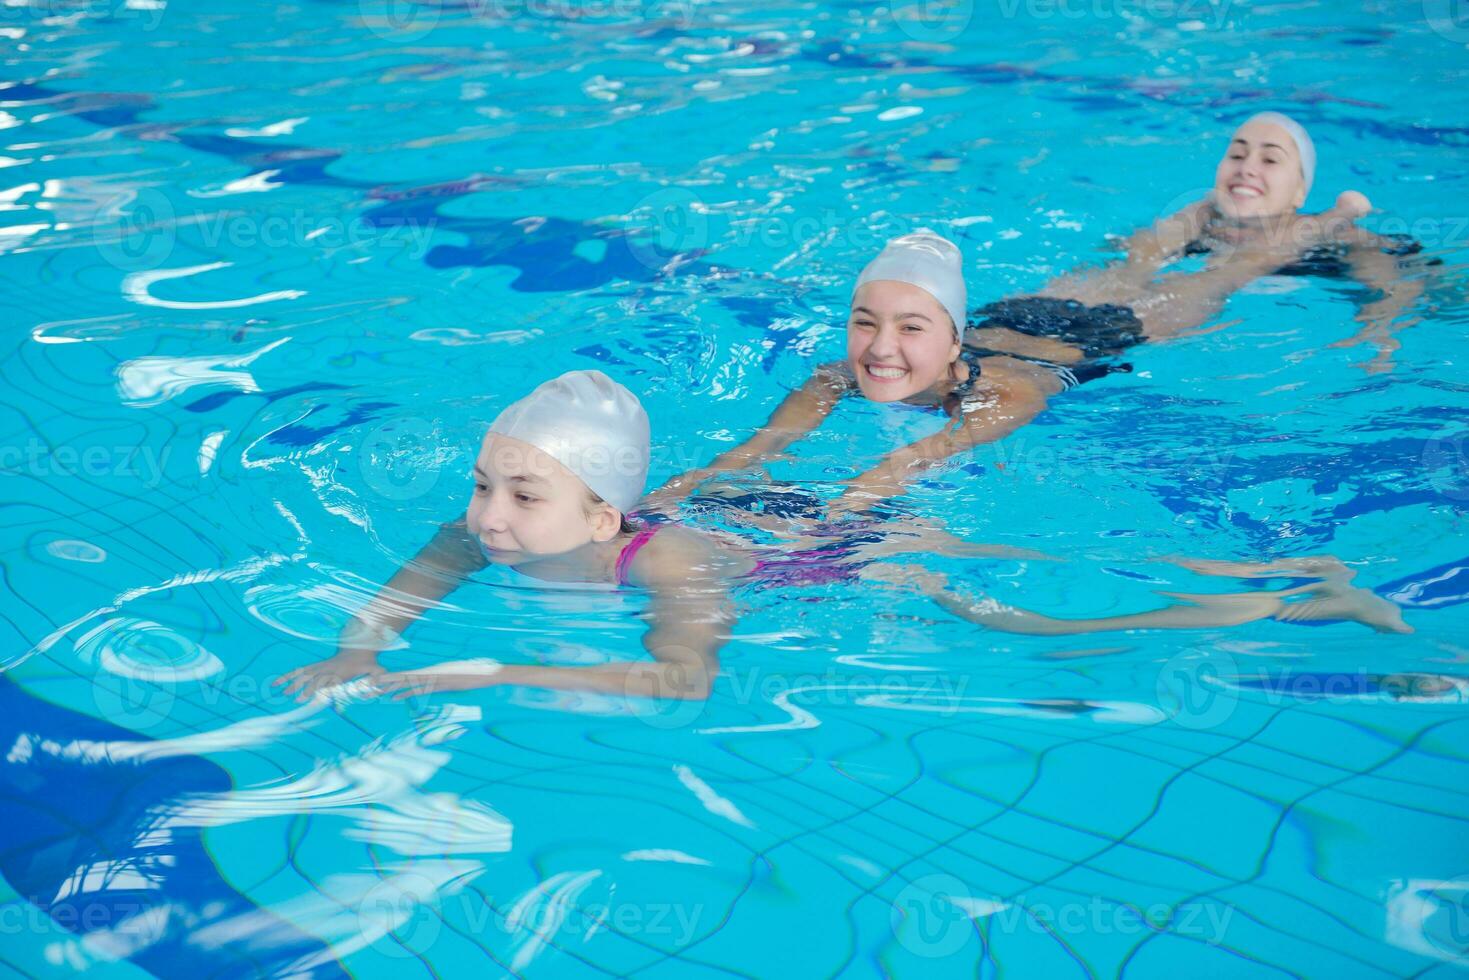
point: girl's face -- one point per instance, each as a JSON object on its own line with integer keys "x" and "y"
{"x": 527, "y": 506}
{"x": 1260, "y": 174}
{"x": 900, "y": 341}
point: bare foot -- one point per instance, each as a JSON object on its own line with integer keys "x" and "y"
{"x": 1381, "y": 364}
{"x": 1337, "y": 600}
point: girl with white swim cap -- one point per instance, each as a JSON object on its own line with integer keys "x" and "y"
{"x": 1250, "y": 219}
{"x": 1269, "y": 169}
{"x": 911, "y": 340}
{"x": 556, "y": 477}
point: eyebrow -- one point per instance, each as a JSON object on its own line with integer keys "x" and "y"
{"x": 479, "y": 471}
{"x": 901, "y": 316}
{"x": 1273, "y": 146}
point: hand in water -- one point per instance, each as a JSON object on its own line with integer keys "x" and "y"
{"x": 451, "y": 675}
{"x": 667, "y": 497}
{"x": 306, "y": 682}
{"x": 849, "y": 508}
{"x": 1352, "y": 204}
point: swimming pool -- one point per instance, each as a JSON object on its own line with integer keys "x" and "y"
{"x": 268, "y": 278}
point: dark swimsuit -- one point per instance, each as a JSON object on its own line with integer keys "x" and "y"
{"x": 1326, "y": 261}
{"x": 1104, "y": 331}
{"x": 1100, "y": 332}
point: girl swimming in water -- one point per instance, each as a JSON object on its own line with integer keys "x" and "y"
{"x": 907, "y": 339}
{"x": 556, "y": 477}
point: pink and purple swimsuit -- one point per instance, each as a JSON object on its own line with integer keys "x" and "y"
{"x": 806, "y": 567}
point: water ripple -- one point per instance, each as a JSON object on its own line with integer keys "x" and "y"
{"x": 143, "y": 650}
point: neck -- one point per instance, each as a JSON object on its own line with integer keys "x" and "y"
{"x": 1227, "y": 228}
{"x": 595, "y": 561}
{"x": 956, "y": 375}
{"x": 934, "y": 394}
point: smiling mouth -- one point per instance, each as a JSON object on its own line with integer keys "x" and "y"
{"x": 879, "y": 372}
{"x": 1246, "y": 191}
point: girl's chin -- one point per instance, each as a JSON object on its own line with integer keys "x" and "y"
{"x": 1249, "y": 209}
{"x": 886, "y": 393}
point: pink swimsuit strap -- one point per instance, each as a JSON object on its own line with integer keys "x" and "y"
{"x": 631, "y": 549}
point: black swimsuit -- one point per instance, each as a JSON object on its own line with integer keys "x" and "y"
{"x": 1100, "y": 332}
{"x": 1326, "y": 261}
{"x": 1104, "y": 331}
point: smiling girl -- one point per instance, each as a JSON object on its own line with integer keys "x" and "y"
{"x": 909, "y": 339}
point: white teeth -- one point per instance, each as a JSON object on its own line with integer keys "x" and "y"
{"x": 1242, "y": 191}
{"x": 885, "y": 372}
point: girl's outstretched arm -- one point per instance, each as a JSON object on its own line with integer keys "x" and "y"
{"x": 1160, "y": 243}
{"x": 1194, "y": 297}
{"x": 438, "y": 569}
{"x": 1145, "y": 251}
{"x": 689, "y": 619}
{"x": 1373, "y": 263}
{"x": 799, "y": 413}
{"x": 1388, "y": 312}
{"x": 1166, "y": 239}
{"x": 1015, "y": 393}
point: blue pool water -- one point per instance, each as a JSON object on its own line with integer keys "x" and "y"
{"x": 269, "y": 272}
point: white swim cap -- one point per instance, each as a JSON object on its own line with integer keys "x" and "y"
{"x": 591, "y": 425}
{"x": 1305, "y": 149}
{"x": 928, "y": 261}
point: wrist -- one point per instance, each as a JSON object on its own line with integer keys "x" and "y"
{"x": 365, "y": 637}
{"x": 357, "y": 655}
